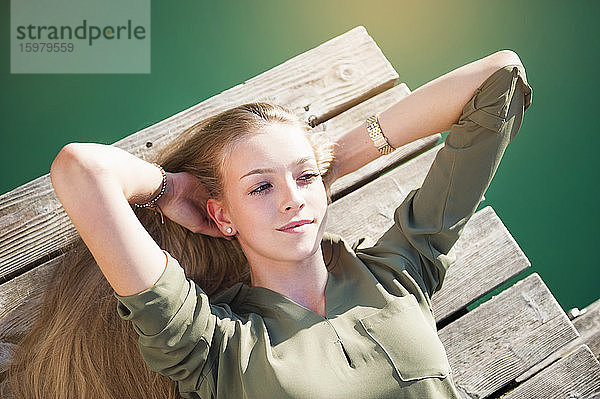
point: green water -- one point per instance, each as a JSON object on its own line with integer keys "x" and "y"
{"x": 544, "y": 190}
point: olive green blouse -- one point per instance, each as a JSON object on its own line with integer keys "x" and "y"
{"x": 379, "y": 338}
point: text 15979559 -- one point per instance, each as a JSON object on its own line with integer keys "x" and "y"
{"x": 47, "y": 47}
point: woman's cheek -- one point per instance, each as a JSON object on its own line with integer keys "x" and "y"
{"x": 319, "y": 196}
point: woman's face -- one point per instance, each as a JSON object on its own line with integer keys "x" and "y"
{"x": 274, "y": 197}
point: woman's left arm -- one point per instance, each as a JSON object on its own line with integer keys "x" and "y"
{"x": 432, "y": 108}
{"x": 432, "y": 217}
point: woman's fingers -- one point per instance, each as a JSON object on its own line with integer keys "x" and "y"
{"x": 187, "y": 205}
{"x": 194, "y": 218}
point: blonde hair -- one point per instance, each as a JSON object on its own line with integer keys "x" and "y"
{"x": 78, "y": 347}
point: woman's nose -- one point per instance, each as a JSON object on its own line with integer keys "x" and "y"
{"x": 292, "y": 198}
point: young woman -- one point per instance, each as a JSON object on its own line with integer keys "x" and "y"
{"x": 238, "y": 292}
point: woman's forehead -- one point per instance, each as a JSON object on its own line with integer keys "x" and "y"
{"x": 276, "y": 145}
{"x": 276, "y": 140}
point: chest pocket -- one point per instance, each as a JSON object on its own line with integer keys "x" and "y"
{"x": 408, "y": 340}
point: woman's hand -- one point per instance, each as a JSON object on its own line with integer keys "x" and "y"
{"x": 184, "y": 202}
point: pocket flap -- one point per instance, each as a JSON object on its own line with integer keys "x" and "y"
{"x": 411, "y": 344}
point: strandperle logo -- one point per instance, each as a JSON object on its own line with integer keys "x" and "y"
{"x": 82, "y": 32}
{"x": 80, "y": 36}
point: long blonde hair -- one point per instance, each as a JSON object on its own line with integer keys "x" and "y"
{"x": 78, "y": 346}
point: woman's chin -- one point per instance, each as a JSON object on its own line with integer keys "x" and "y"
{"x": 308, "y": 248}
{"x": 300, "y": 249}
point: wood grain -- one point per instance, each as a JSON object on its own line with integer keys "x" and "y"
{"x": 588, "y": 327}
{"x": 576, "y": 376}
{"x": 487, "y": 256}
{"x": 356, "y": 116}
{"x": 495, "y": 342}
{"x": 6, "y": 351}
{"x": 20, "y": 300}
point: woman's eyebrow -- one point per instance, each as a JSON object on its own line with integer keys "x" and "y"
{"x": 259, "y": 171}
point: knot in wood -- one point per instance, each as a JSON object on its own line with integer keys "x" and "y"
{"x": 345, "y": 72}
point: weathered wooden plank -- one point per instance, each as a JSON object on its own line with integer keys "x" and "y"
{"x": 588, "y": 327}
{"x": 317, "y": 85}
{"x": 355, "y": 116}
{"x": 368, "y": 212}
{"x": 495, "y": 342}
{"x": 487, "y": 255}
{"x": 574, "y": 376}
{"x": 6, "y": 351}
{"x": 20, "y": 299}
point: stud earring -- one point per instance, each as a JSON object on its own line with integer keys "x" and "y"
{"x": 229, "y": 230}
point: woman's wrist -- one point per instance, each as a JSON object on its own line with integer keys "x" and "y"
{"x": 155, "y": 196}
{"x": 148, "y": 184}
{"x": 169, "y": 191}
{"x": 353, "y": 150}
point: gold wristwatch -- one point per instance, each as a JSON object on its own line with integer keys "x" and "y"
{"x": 376, "y": 135}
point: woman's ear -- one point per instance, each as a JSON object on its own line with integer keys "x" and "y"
{"x": 218, "y": 213}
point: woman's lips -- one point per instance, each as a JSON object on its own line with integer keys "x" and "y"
{"x": 295, "y": 226}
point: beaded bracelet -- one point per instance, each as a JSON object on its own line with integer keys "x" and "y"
{"x": 152, "y": 203}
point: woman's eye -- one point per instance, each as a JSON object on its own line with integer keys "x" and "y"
{"x": 260, "y": 189}
{"x": 307, "y": 177}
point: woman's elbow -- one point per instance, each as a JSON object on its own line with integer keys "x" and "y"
{"x": 75, "y": 157}
{"x": 504, "y": 58}
{"x": 61, "y": 162}
{"x": 61, "y": 169}
{"x": 64, "y": 163}
{"x": 72, "y": 163}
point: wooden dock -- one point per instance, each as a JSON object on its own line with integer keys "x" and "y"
{"x": 518, "y": 344}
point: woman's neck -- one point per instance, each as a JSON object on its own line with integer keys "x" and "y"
{"x": 303, "y": 282}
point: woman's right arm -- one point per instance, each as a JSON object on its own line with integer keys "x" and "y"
{"x": 180, "y": 332}
{"x": 95, "y": 184}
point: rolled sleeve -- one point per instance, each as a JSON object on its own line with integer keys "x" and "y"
{"x": 432, "y": 217}
{"x": 152, "y": 309}
{"x": 175, "y": 326}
